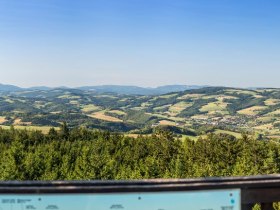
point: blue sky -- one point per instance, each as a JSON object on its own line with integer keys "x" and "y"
{"x": 140, "y": 42}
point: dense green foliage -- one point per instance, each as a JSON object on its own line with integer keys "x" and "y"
{"x": 82, "y": 154}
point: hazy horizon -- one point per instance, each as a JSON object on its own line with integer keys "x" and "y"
{"x": 146, "y": 43}
{"x": 133, "y": 85}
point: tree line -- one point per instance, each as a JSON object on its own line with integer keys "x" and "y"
{"x": 83, "y": 154}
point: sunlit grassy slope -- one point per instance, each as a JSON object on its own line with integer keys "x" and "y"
{"x": 231, "y": 110}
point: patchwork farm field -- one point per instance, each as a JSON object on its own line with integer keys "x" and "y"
{"x": 102, "y": 116}
{"x": 192, "y": 113}
{"x": 43, "y": 129}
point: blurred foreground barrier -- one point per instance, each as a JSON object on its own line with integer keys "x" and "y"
{"x": 191, "y": 194}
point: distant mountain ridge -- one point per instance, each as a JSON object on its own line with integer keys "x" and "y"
{"x": 194, "y": 112}
{"x": 135, "y": 90}
{"x": 118, "y": 89}
{"x": 9, "y": 88}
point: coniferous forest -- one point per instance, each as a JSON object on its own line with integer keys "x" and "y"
{"x": 83, "y": 154}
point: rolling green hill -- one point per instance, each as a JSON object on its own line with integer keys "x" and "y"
{"x": 197, "y": 112}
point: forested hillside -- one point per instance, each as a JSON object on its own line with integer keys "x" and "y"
{"x": 82, "y": 154}
{"x": 192, "y": 113}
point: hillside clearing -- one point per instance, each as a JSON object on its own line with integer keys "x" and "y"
{"x": 247, "y": 92}
{"x": 102, "y": 116}
{"x": 276, "y": 112}
{"x": 2, "y": 119}
{"x": 90, "y": 108}
{"x": 167, "y": 122}
{"x": 69, "y": 97}
{"x": 44, "y": 129}
{"x": 17, "y": 121}
{"x": 271, "y": 102}
{"x": 235, "y": 134}
{"x": 254, "y": 110}
{"x": 117, "y": 112}
{"x": 168, "y": 96}
{"x": 214, "y": 107}
{"x": 177, "y": 108}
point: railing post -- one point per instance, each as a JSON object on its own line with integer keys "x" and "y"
{"x": 247, "y": 206}
{"x": 267, "y": 206}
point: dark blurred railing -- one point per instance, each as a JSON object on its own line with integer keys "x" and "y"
{"x": 258, "y": 189}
